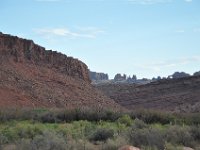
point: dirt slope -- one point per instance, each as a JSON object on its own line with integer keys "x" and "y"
{"x": 182, "y": 95}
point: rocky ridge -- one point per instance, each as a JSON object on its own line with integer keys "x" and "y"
{"x": 31, "y": 76}
{"x": 180, "y": 95}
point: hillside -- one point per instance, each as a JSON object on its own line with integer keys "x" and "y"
{"x": 31, "y": 76}
{"x": 180, "y": 95}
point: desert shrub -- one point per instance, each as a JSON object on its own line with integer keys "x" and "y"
{"x": 80, "y": 145}
{"x": 9, "y": 134}
{"x": 28, "y": 131}
{"x": 141, "y": 135}
{"x": 147, "y": 137}
{"x": 169, "y": 146}
{"x": 102, "y": 135}
{"x": 125, "y": 119}
{"x": 179, "y": 135}
{"x": 48, "y": 117}
{"x": 139, "y": 124}
{"x": 3, "y": 139}
{"x": 87, "y": 114}
{"x": 150, "y": 116}
{"x": 114, "y": 144}
{"x": 46, "y": 141}
{"x": 149, "y": 148}
{"x": 190, "y": 118}
{"x": 195, "y": 132}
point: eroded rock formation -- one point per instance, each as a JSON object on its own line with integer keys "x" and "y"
{"x": 25, "y": 51}
{"x": 98, "y": 76}
{"x": 31, "y": 76}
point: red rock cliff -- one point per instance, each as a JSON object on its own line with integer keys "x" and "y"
{"x": 21, "y": 50}
{"x": 30, "y": 76}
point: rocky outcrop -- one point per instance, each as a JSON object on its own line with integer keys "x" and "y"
{"x": 31, "y": 76}
{"x": 177, "y": 75}
{"x": 119, "y": 77}
{"x": 25, "y": 51}
{"x": 196, "y": 73}
{"x": 180, "y": 95}
{"x": 98, "y": 76}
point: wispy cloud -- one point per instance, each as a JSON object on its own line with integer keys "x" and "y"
{"x": 48, "y": 0}
{"x": 161, "y": 65}
{"x": 180, "y": 31}
{"x": 148, "y": 2}
{"x": 87, "y": 32}
{"x": 188, "y": 0}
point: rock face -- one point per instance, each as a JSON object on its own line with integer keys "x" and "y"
{"x": 31, "y": 76}
{"x": 25, "y": 51}
{"x": 181, "y": 95}
{"x": 98, "y": 76}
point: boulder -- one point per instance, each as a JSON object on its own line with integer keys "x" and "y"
{"x": 128, "y": 147}
{"x": 187, "y": 148}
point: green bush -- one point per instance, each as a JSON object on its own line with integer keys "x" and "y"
{"x": 102, "y": 135}
{"x": 141, "y": 135}
{"x": 46, "y": 141}
{"x": 151, "y": 116}
{"x": 179, "y": 135}
{"x": 169, "y": 146}
{"x": 195, "y": 133}
{"x": 114, "y": 144}
{"x": 125, "y": 119}
{"x": 139, "y": 124}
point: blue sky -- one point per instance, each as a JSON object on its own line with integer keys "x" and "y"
{"x": 143, "y": 37}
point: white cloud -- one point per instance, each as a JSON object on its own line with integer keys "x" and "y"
{"x": 161, "y": 65}
{"x": 188, "y": 0}
{"x": 147, "y": 2}
{"x": 180, "y": 31}
{"x": 88, "y": 32}
{"x": 47, "y": 0}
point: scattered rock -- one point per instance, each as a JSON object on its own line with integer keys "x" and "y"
{"x": 187, "y": 148}
{"x": 127, "y": 147}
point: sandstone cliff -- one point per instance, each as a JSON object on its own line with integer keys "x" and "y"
{"x": 31, "y": 76}
{"x": 25, "y": 51}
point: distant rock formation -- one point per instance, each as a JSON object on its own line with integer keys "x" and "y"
{"x": 177, "y": 75}
{"x": 119, "y": 77}
{"x": 196, "y": 73}
{"x": 98, "y": 76}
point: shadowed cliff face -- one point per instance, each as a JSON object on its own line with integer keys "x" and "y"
{"x": 30, "y": 76}
{"x": 25, "y": 51}
{"x": 180, "y": 95}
